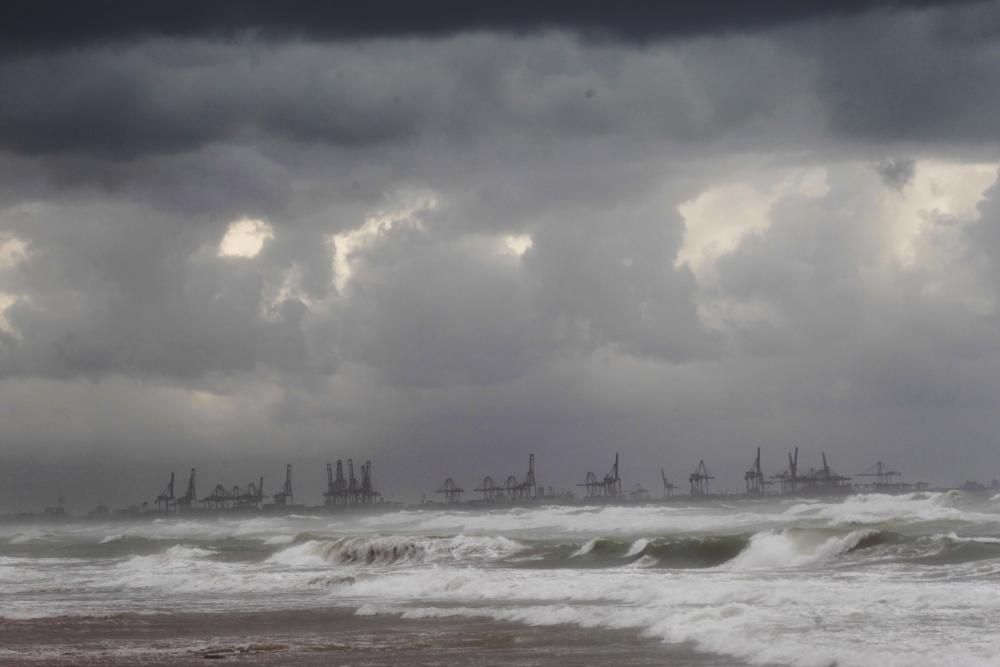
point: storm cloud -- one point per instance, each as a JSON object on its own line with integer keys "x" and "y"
{"x": 53, "y": 25}
{"x": 238, "y": 238}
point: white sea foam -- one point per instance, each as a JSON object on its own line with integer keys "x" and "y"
{"x": 573, "y": 521}
{"x": 637, "y": 547}
{"x": 30, "y": 536}
{"x": 586, "y": 548}
{"x": 644, "y": 562}
{"x": 796, "y": 620}
{"x": 906, "y": 509}
{"x": 390, "y": 550}
{"x": 177, "y": 554}
{"x": 704, "y": 518}
{"x": 981, "y": 540}
{"x": 789, "y": 549}
{"x": 799, "y": 594}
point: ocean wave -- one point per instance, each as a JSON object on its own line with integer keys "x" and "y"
{"x": 737, "y": 629}
{"x": 799, "y": 619}
{"x": 766, "y": 549}
{"x": 979, "y": 540}
{"x": 179, "y": 554}
{"x": 393, "y": 550}
{"x": 681, "y": 517}
{"x": 30, "y": 537}
{"x": 800, "y": 586}
{"x": 637, "y": 547}
{"x": 796, "y": 548}
{"x": 589, "y": 546}
{"x": 668, "y": 552}
{"x": 874, "y": 509}
{"x": 952, "y": 549}
{"x": 571, "y": 520}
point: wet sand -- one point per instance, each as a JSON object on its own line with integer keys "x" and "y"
{"x": 325, "y": 637}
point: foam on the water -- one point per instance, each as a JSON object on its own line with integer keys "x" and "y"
{"x": 391, "y": 550}
{"x": 772, "y": 549}
{"x": 866, "y": 580}
{"x": 637, "y": 547}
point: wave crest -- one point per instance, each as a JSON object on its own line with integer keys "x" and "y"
{"x": 392, "y": 550}
{"x": 790, "y": 548}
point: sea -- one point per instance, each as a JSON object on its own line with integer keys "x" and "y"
{"x": 867, "y": 580}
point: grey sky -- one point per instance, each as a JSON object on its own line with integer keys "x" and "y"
{"x": 445, "y": 248}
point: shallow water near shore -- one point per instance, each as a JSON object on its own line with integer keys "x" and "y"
{"x": 864, "y": 580}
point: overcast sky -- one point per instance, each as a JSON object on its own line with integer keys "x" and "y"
{"x": 443, "y": 239}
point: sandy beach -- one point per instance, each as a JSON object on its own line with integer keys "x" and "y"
{"x": 325, "y": 637}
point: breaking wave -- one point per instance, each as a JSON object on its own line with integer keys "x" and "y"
{"x": 767, "y": 549}
{"x": 789, "y": 548}
{"x": 890, "y": 580}
{"x": 392, "y": 550}
{"x": 637, "y": 547}
{"x": 906, "y": 510}
{"x": 178, "y": 554}
{"x": 685, "y": 552}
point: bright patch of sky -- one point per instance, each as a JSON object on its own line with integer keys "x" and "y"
{"x": 245, "y": 238}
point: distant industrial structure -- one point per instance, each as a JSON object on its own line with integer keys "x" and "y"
{"x": 452, "y": 492}
{"x": 816, "y": 481}
{"x": 342, "y": 491}
{"x": 610, "y": 486}
{"x": 699, "y": 480}
{"x": 286, "y": 496}
{"x": 822, "y": 481}
{"x": 511, "y": 491}
{"x": 668, "y": 486}
{"x": 346, "y": 490}
{"x": 754, "y": 478}
{"x": 886, "y": 479}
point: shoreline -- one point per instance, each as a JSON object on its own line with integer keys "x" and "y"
{"x": 307, "y": 638}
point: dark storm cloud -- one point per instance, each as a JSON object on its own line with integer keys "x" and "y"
{"x": 813, "y": 272}
{"x": 616, "y": 284}
{"x": 925, "y": 77}
{"x": 125, "y": 158}
{"x": 168, "y": 96}
{"x": 808, "y": 267}
{"x": 133, "y": 103}
{"x": 469, "y": 91}
{"x": 409, "y": 318}
{"x": 122, "y": 290}
{"x": 122, "y": 276}
{"x": 984, "y": 235}
{"x": 896, "y": 174}
{"x": 38, "y": 26}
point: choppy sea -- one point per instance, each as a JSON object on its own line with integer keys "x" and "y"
{"x": 867, "y": 580}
